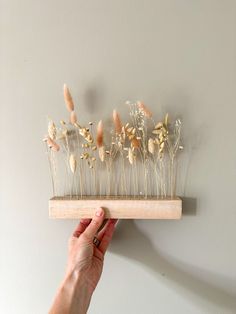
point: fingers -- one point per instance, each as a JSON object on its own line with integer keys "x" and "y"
{"x": 83, "y": 224}
{"x": 106, "y": 235}
{"x": 94, "y": 225}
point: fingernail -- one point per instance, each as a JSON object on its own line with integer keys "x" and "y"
{"x": 99, "y": 212}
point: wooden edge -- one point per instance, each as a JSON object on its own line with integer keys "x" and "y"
{"x": 62, "y": 208}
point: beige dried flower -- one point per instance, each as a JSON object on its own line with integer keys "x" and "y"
{"x": 135, "y": 143}
{"x": 73, "y": 117}
{"x": 73, "y": 163}
{"x": 117, "y": 122}
{"x": 68, "y": 99}
{"x": 130, "y": 131}
{"x": 52, "y": 131}
{"x": 144, "y": 109}
{"x": 161, "y": 133}
{"x": 52, "y": 144}
{"x": 151, "y": 146}
{"x": 100, "y": 134}
{"x": 101, "y": 153}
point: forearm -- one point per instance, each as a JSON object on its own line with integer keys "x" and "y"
{"x": 73, "y": 296}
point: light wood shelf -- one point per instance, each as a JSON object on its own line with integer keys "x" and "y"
{"x": 116, "y": 207}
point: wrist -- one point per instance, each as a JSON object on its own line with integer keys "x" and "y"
{"x": 78, "y": 283}
{"x": 74, "y": 294}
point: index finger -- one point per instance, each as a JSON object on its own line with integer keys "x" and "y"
{"x": 83, "y": 224}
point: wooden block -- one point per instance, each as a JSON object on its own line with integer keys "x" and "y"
{"x": 116, "y": 207}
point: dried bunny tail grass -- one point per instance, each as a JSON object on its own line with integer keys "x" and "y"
{"x": 130, "y": 156}
{"x": 144, "y": 109}
{"x": 73, "y": 163}
{"x": 151, "y": 146}
{"x": 117, "y": 122}
{"x": 52, "y": 131}
{"x": 73, "y": 117}
{"x": 166, "y": 120}
{"x": 52, "y": 144}
{"x": 101, "y": 153}
{"x": 135, "y": 143}
{"x": 68, "y": 99}
{"x": 100, "y": 134}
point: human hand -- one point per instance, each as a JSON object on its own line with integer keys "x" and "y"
{"x": 85, "y": 258}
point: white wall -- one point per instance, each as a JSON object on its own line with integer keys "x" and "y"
{"x": 178, "y": 56}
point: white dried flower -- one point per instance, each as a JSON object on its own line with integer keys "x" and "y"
{"x": 151, "y": 146}
{"x": 73, "y": 163}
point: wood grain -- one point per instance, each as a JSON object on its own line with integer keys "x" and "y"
{"x": 117, "y": 207}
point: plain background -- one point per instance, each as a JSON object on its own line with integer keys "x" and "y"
{"x": 177, "y": 56}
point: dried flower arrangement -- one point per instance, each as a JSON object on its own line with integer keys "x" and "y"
{"x": 136, "y": 160}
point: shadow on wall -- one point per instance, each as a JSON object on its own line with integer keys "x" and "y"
{"x": 137, "y": 246}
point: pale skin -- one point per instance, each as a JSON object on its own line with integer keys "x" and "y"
{"x": 85, "y": 264}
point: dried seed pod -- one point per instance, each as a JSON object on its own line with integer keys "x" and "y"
{"x": 117, "y": 122}
{"x": 100, "y": 134}
{"x": 159, "y": 125}
{"x": 73, "y": 163}
{"x": 68, "y": 99}
{"x": 73, "y": 117}
{"x": 144, "y": 109}
{"x": 82, "y": 131}
{"x": 52, "y": 131}
{"x": 101, "y": 153}
{"x": 89, "y": 138}
{"x": 162, "y": 144}
{"x": 151, "y": 146}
